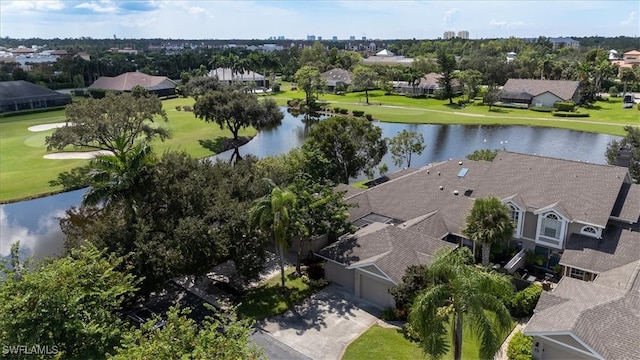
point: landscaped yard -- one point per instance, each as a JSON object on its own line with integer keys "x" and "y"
{"x": 268, "y": 300}
{"x": 605, "y": 116}
{"x": 25, "y": 173}
{"x": 390, "y": 343}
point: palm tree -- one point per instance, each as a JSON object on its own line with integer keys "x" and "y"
{"x": 489, "y": 222}
{"x": 271, "y": 214}
{"x": 413, "y": 78}
{"x": 460, "y": 291}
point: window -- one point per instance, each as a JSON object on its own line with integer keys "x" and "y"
{"x": 551, "y": 226}
{"x": 576, "y": 274}
{"x": 589, "y": 231}
{"x": 515, "y": 216}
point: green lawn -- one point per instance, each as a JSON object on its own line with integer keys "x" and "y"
{"x": 380, "y": 343}
{"x": 605, "y": 116}
{"x": 268, "y": 300}
{"x": 24, "y": 173}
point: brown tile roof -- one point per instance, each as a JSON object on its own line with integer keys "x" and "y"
{"x": 606, "y": 318}
{"x": 586, "y": 192}
{"x": 126, "y": 82}
{"x": 617, "y": 247}
{"x": 391, "y": 248}
{"x": 430, "y": 81}
{"x": 631, "y": 206}
{"x": 348, "y": 190}
{"x": 561, "y": 88}
{"x": 337, "y": 75}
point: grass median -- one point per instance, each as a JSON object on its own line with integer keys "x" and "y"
{"x": 25, "y": 173}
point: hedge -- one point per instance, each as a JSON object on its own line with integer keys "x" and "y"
{"x": 519, "y": 347}
{"x": 569, "y": 114}
{"x": 369, "y": 117}
{"x": 358, "y": 113}
{"x": 565, "y": 105}
{"x": 525, "y": 301}
{"x": 542, "y": 109}
{"x": 344, "y": 111}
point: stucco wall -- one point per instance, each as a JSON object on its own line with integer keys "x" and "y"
{"x": 546, "y": 99}
{"x": 551, "y": 351}
{"x": 530, "y": 225}
{"x": 338, "y": 274}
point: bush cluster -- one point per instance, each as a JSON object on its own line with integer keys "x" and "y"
{"x": 523, "y": 303}
{"x": 570, "y": 114}
{"x": 358, "y": 113}
{"x": 370, "y": 117}
{"x": 542, "y": 109}
{"x": 568, "y": 106}
{"x": 519, "y": 347}
{"x": 187, "y": 108}
{"x": 344, "y": 111}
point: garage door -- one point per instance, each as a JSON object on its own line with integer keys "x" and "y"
{"x": 375, "y": 291}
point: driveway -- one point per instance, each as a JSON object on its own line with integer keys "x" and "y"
{"x": 323, "y": 325}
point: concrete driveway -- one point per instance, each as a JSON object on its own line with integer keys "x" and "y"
{"x": 323, "y": 325}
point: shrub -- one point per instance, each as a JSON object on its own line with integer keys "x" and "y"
{"x": 613, "y": 91}
{"x": 565, "y": 105}
{"x": 276, "y": 87}
{"x": 388, "y": 314}
{"x": 370, "y": 117}
{"x": 344, "y": 111}
{"x": 570, "y": 114}
{"x": 178, "y": 107}
{"x": 97, "y": 93}
{"x": 295, "y": 102}
{"x": 358, "y": 113}
{"x": 187, "y": 108}
{"x": 525, "y": 301}
{"x": 315, "y": 271}
{"x": 542, "y": 109}
{"x": 336, "y": 109}
{"x": 519, "y": 347}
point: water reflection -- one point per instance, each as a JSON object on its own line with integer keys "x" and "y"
{"x": 35, "y": 223}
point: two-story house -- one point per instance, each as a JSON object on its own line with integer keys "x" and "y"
{"x": 579, "y": 215}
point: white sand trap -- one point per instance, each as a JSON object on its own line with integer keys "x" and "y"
{"x": 45, "y": 127}
{"x": 77, "y": 155}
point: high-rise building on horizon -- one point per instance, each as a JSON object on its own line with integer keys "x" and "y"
{"x": 449, "y": 35}
{"x": 334, "y": 38}
{"x": 311, "y": 38}
{"x": 463, "y": 34}
{"x": 352, "y": 38}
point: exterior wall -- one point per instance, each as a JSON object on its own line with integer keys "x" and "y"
{"x": 546, "y": 99}
{"x": 338, "y": 274}
{"x": 548, "y": 350}
{"x": 315, "y": 244}
{"x": 529, "y": 226}
{"x": 374, "y": 289}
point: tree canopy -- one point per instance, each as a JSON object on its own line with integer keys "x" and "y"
{"x": 488, "y": 222}
{"x": 114, "y": 123}
{"x": 310, "y": 81}
{"x": 234, "y": 110}
{"x": 352, "y": 144}
{"x": 404, "y": 145}
{"x": 447, "y": 63}
{"x": 629, "y": 144}
{"x": 70, "y": 305}
{"x": 364, "y": 79}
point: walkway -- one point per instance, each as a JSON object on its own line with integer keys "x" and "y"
{"x": 502, "y": 353}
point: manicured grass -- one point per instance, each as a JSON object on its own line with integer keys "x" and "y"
{"x": 268, "y": 300}
{"x": 605, "y": 117}
{"x": 389, "y": 343}
{"x": 24, "y": 173}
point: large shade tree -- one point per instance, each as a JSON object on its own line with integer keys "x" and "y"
{"x": 489, "y": 222}
{"x": 404, "y": 145}
{"x": 351, "y": 144}
{"x": 460, "y": 293}
{"x": 235, "y": 110}
{"x": 364, "y": 79}
{"x": 272, "y": 214}
{"x": 310, "y": 81}
{"x": 115, "y": 123}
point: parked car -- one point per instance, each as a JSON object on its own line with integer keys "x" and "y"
{"x": 143, "y": 314}
{"x": 628, "y": 101}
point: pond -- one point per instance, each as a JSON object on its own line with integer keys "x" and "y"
{"x": 35, "y": 222}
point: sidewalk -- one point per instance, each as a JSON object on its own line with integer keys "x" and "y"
{"x": 502, "y": 353}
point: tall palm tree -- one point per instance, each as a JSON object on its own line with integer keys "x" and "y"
{"x": 271, "y": 214}
{"x": 460, "y": 292}
{"x": 489, "y": 222}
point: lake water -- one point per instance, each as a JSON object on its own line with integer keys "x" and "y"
{"x": 35, "y": 223}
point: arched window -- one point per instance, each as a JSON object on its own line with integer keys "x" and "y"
{"x": 589, "y": 230}
{"x": 515, "y": 214}
{"x": 551, "y": 226}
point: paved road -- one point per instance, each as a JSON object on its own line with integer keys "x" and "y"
{"x": 323, "y": 325}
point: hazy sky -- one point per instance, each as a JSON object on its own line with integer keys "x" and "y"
{"x": 295, "y": 19}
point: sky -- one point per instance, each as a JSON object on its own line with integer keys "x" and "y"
{"x": 295, "y": 19}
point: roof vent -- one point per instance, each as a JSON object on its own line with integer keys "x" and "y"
{"x": 427, "y": 171}
{"x": 455, "y": 192}
{"x": 438, "y": 173}
{"x": 459, "y": 162}
{"x": 441, "y": 187}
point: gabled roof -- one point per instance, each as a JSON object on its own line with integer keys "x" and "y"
{"x": 632, "y": 53}
{"x": 127, "y": 81}
{"x": 337, "y": 75}
{"x": 430, "y": 81}
{"x": 617, "y": 247}
{"x": 561, "y": 88}
{"x": 587, "y": 192}
{"x": 604, "y": 316}
{"x": 385, "y": 52}
{"x": 390, "y": 248}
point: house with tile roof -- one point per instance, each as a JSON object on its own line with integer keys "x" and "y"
{"x": 428, "y": 85}
{"x": 531, "y": 92}
{"x": 159, "y": 85}
{"x": 337, "y": 79}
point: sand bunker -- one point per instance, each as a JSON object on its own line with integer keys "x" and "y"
{"x": 77, "y": 155}
{"x": 45, "y": 127}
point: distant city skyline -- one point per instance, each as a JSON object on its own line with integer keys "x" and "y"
{"x": 356, "y": 19}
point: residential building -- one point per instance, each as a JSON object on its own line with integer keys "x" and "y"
{"x": 428, "y": 85}
{"x": 629, "y": 59}
{"x": 22, "y": 95}
{"x": 558, "y": 206}
{"x": 463, "y": 34}
{"x": 159, "y": 85}
{"x": 449, "y": 35}
{"x": 530, "y": 92}
{"x": 511, "y": 56}
{"x": 337, "y": 79}
{"x": 126, "y": 50}
{"x": 386, "y": 57}
{"x": 561, "y": 42}
{"x": 229, "y": 75}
